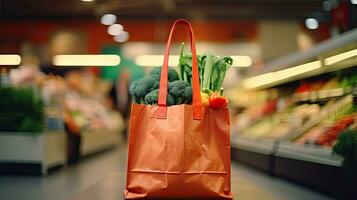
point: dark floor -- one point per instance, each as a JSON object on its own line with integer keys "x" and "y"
{"x": 66, "y": 182}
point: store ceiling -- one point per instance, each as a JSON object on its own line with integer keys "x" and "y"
{"x": 161, "y": 9}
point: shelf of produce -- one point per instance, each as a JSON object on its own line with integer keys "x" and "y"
{"x": 313, "y": 166}
{"x": 32, "y": 153}
{"x": 94, "y": 141}
{"x": 256, "y": 153}
{"x": 315, "y": 96}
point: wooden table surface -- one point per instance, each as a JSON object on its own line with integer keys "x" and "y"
{"x": 112, "y": 186}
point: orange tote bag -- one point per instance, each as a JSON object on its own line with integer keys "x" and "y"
{"x": 180, "y": 151}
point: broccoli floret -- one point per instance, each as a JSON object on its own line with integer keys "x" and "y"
{"x": 132, "y": 90}
{"x": 156, "y": 85}
{"x": 157, "y": 81}
{"x": 155, "y": 76}
{"x": 141, "y": 87}
{"x": 152, "y": 98}
{"x": 188, "y": 95}
{"x": 172, "y": 73}
{"x": 177, "y": 90}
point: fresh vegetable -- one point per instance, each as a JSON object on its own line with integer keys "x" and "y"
{"x": 181, "y": 66}
{"x": 210, "y": 60}
{"x": 212, "y": 69}
{"x": 207, "y": 91}
{"x": 152, "y": 98}
{"x": 177, "y": 90}
{"x": 188, "y": 95}
{"x": 185, "y": 66}
{"x": 346, "y": 146}
{"x": 217, "y": 100}
{"x": 219, "y": 72}
{"x": 204, "y": 99}
{"x": 171, "y": 74}
{"x": 21, "y": 110}
{"x": 141, "y": 87}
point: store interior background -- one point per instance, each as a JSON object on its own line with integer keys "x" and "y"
{"x": 291, "y": 88}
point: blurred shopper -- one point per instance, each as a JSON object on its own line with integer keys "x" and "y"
{"x": 121, "y": 77}
{"x": 129, "y": 73}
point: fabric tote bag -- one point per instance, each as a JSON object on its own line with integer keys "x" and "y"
{"x": 180, "y": 151}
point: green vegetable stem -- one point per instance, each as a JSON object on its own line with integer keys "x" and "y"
{"x": 181, "y": 67}
{"x": 219, "y": 70}
{"x": 208, "y": 70}
{"x": 185, "y": 65}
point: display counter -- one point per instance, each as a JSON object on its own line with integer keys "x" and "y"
{"x": 292, "y": 120}
{"x": 29, "y": 153}
{"x": 94, "y": 141}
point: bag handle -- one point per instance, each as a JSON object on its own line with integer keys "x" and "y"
{"x": 196, "y": 96}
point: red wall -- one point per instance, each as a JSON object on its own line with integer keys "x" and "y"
{"x": 12, "y": 34}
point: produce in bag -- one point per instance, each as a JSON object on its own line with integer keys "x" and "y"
{"x": 212, "y": 71}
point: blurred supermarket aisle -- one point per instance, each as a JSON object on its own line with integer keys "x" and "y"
{"x": 66, "y": 182}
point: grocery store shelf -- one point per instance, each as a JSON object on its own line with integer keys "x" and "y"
{"x": 266, "y": 147}
{"x": 314, "y": 96}
{"x": 258, "y": 154}
{"x": 323, "y": 114}
{"x": 312, "y": 166}
{"x": 331, "y": 47}
{"x": 308, "y": 153}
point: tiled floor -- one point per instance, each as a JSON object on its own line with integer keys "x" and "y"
{"x": 66, "y": 182}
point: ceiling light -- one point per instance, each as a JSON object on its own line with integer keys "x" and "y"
{"x": 115, "y": 29}
{"x": 87, "y": 0}
{"x": 241, "y": 61}
{"x": 354, "y": 2}
{"x": 260, "y": 80}
{"x": 156, "y": 60}
{"x": 108, "y": 19}
{"x": 311, "y": 23}
{"x": 339, "y": 57}
{"x": 122, "y": 37}
{"x": 10, "y": 59}
{"x": 86, "y": 60}
{"x": 271, "y": 77}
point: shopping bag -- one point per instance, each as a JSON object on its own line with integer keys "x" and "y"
{"x": 180, "y": 151}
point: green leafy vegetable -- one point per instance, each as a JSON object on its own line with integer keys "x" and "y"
{"x": 346, "y": 146}
{"x": 20, "y": 110}
{"x": 180, "y": 66}
{"x": 212, "y": 69}
{"x": 185, "y": 65}
{"x": 219, "y": 72}
{"x": 209, "y": 63}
